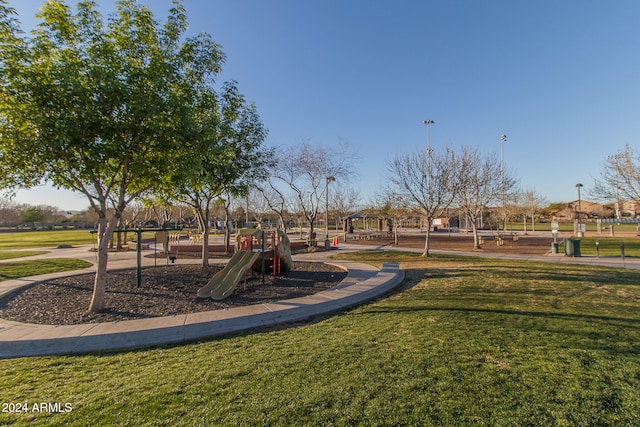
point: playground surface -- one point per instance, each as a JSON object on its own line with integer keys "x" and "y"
{"x": 362, "y": 283}
{"x": 164, "y": 291}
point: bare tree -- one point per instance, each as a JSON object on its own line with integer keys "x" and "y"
{"x": 10, "y": 212}
{"x": 276, "y": 199}
{"x": 259, "y": 204}
{"x": 161, "y": 212}
{"x": 530, "y": 203}
{"x": 480, "y": 182}
{"x": 344, "y": 201}
{"x": 426, "y": 180}
{"x": 392, "y": 207}
{"x": 619, "y": 178}
{"x": 130, "y": 216}
{"x": 308, "y": 170}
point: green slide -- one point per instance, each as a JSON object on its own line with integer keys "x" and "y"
{"x": 225, "y": 281}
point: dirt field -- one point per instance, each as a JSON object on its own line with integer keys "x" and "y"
{"x": 525, "y": 245}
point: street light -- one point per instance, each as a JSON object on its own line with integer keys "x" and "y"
{"x": 429, "y": 122}
{"x": 326, "y": 213}
{"x": 503, "y": 138}
{"x": 578, "y": 186}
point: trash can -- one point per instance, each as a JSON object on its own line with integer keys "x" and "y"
{"x": 572, "y": 247}
{"x": 576, "y": 247}
{"x": 554, "y": 247}
{"x": 568, "y": 247}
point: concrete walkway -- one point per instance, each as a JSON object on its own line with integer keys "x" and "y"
{"x": 363, "y": 282}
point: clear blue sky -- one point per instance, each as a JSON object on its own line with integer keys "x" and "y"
{"x": 560, "y": 78}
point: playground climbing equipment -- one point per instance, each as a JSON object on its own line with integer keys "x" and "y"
{"x": 256, "y": 251}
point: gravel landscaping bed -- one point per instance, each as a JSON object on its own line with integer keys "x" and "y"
{"x": 164, "y": 291}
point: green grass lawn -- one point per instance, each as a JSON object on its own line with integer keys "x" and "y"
{"x": 38, "y": 239}
{"x": 466, "y": 342}
{"x": 19, "y": 254}
{"x": 567, "y": 227}
{"x": 17, "y": 269}
{"x": 610, "y": 246}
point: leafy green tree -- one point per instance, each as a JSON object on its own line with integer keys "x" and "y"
{"x": 33, "y": 214}
{"x": 225, "y": 155}
{"x": 99, "y": 108}
{"x": 553, "y": 208}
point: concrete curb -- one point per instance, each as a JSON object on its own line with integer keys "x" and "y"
{"x": 361, "y": 284}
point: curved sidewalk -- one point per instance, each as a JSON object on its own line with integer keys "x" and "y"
{"x": 363, "y": 282}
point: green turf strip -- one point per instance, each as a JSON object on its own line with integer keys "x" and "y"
{"x": 17, "y": 269}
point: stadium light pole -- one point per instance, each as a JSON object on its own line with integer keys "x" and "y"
{"x": 503, "y": 139}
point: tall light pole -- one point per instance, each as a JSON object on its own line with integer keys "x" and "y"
{"x": 326, "y": 213}
{"x": 429, "y": 122}
{"x": 578, "y": 186}
{"x": 503, "y": 138}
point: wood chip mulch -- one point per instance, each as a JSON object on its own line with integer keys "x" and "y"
{"x": 164, "y": 291}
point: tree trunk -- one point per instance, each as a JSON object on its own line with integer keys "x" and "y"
{"x": 476, "y": 241}
{"x": 205, "y": 243}
{"x": 119, "y": 236}
{"x": 203, "y": 225}
{"x": 227, "y": 234}
{"x": 283, "y": 224}
{"x": 425, "y": 253}
{"x": 395, "y": 232}
{"x": 227, "y": 239}
{"x": 312, "y": 237}
{"x": 105, "y": 233}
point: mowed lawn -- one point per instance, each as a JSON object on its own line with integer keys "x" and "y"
{"x": 466, "y": 341}
{"x": 40, "y": 239}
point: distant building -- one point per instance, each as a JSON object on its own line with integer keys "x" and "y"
{"x": 631, "y": 208}
{"x": 587, "y": 208}
{"x": 443, "y": 223}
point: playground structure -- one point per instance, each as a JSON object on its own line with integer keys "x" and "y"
{"x": 256, "y": 251}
